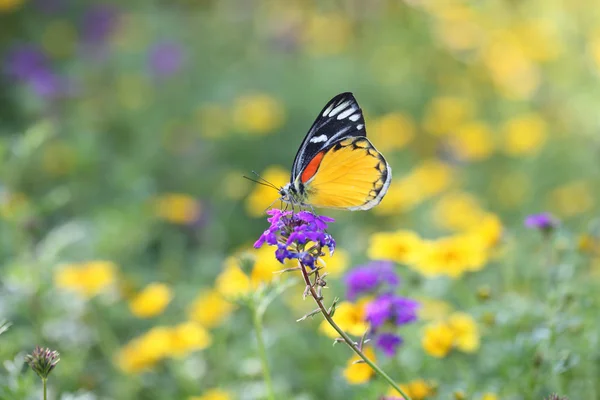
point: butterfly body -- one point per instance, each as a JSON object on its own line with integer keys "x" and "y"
{"x": 336, "y": 165}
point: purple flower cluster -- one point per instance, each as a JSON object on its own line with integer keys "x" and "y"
{"x": 291, "y": 232}
{"x": 387, "y": 311}
{"x": 543, "y": 221}
{"x": 29, "y": 64}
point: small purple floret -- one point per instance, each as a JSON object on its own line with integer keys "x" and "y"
{"x": 388, "y": 343}
{"x": 543, "y": 221}
{"x": 369, "y": 277}
{"x": 391, "y": 308}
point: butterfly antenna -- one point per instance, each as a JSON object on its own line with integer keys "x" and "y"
{"x": 264, "y": 180}
{"x": 267, "y": 184}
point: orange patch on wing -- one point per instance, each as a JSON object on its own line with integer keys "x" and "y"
{"x": 312, "y": 167}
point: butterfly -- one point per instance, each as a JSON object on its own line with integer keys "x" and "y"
{"x": 336, "y": 165}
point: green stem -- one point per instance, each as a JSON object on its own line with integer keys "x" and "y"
{"x": 44, "y": 385}
{"x": 345, "y": 336}
{"x": 262, "y": 352}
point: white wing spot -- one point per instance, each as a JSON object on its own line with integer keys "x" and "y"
{"x": 346, "y": 113}
{"x": 327, "y": 110}
{"x": 359, "y": 126}
{"x": 339, "y": 108}
{"x": 319, "y": 139}
{"x": 354, "y": 117}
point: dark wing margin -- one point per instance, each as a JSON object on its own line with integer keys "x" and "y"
{"x": 340, "y": 118}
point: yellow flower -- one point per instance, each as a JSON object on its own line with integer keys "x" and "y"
{"x": 490, "y": 396}
{"x": 87, "y": 279}
{"x": 263, "y": 196}
{"x": 213, "y": 394}
{"x": 433, "y": 177}
{"x": 452, "y": 256}
{"x": 336, "y": 264}
{"x": 438, "y": 339}
{"x": 232, "y": 282}
{"x": 59, "y": 38}
{"x": 488, "y": 230}
{"x": 473, "y": 141}
{"x": 234, "y": 186}
{"x": 177, "y": 208}
{"x": 266, "y": 266}
{"x": 349, "y": 317}
{"x": 418, "y": 389}
{"x": 188, "y": 337}
{"x": 144, "y": 351}
{"x": 401, "y": 246}
{"x": 213, "y": 121}
{"x": 445, "y": 114}
{"x": 359, "y": 373}
{"x": 594, "y": 49}
{"x": 334, "y": 26}
{"x": 457, "y": 211}
{"x": 571, "y": 199}
{"x": 257, "y": 114}
{"x": 7, "y": 6}
{"x": 210, "y": 309}
{"x": 524, "y": 135}
{"x": 151, "y": 301}
{"x": 433, "y": 309}
{"x": 392, "y": 131}
{"x": 465, "y": 332}
{"x": 402, "y": 195}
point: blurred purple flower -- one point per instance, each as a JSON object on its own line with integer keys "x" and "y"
{"x": 369, "y": 277}
{"x": 165, "y": 58}
{"x": 543, "y": 221}
{"x": 391, "y": 308}
{"x": 98, "y": 23}
{"x": 290, "y": 232}
{"x": 25, "y": 61}
{"x": 388, "y": 343}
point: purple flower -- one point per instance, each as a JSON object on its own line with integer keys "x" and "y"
{"x": 98, "y": 23}
{"x": 369, "y": 277}
{"x": 391, "y": 308}
{"x": 165, "y": 59}
{"x": 388, "y": 343}
{"x": 543, "y": 221}
{"x": 292, "y": 233}
{"x": 24, "y": 62}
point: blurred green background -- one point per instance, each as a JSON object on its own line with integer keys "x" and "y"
{"x": 125, "y": 132}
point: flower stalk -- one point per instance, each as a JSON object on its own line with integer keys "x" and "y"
{"x": 262, "y": 352}
{"x": 314, "y": 293}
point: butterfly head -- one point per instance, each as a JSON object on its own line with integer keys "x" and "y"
{"x": 292, "y": 194}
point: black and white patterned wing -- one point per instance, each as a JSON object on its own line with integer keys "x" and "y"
{"x": 340, "y": 118}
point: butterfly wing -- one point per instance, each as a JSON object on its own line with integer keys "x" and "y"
{"x": 351, "y": 174}
{"x": 340, "y": 118}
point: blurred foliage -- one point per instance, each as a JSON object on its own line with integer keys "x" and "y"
{"x": 126, "y": 225}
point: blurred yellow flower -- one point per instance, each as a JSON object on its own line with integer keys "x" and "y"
{"x": 334, "y": 26}
{"x": 457, "y": 211}
{"x": 213, "y": 121}
{"x": 489, "y": 230}
{"x": 571, "y": 199}
{"x": 263, "y": 196}
{"x": 210, "y": 309}
{"x": 473, "y": 141}
{"x": 438, "y": 339}
{"x": 418, "y": 389}
{"x": 234, "y": 185}
{"x": 88, "y": 278}
{"x": 266, "y": 266}
{"x": 213, "y": 394}
{"x": 524, "y": 135}
{"x": 465, "y": 332}
{"x": 257, "y": 114}
{"x": 460, "y": 27}
{"x": 433, "y": 177}
{"x": 511, "y": 188}
{"x": 10, "y": 5}
{"x": 445, "y": 114}
{"x": 538, "y": 39}
{"x": 144, "y": 351}
{"x": 59, "y": 38}
{"x": 433, "y": 309}
{"x": 451, "y": 256}
{"x": 400, "y": 246}
{"x": 350, "y": 317}
{"x": 391, "y": 131}
{"x": 490, "y": 396}
{"x": 232, "y": 282}
{"x": 177, "y": 208}
{"x": 357, "y": 373}
{"x": 188, "y": 337}
{"x": 403, "y": 194}
{"x": 151, "y": 301}
{"x": 335, "y": 265}
{"x": 594, "y": 49}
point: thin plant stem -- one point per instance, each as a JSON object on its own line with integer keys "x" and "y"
{"x": 44, "y": 380}
{"x": 262, "y": 352}
{"x": 345, "y": 336}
